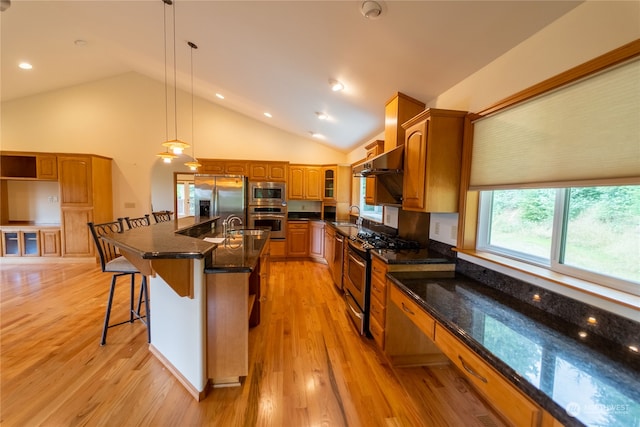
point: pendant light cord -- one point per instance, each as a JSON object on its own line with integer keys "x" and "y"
{"x": 193, "y": 138}
{"x": 166, "y": 85}
{"x": 175, "y": 85}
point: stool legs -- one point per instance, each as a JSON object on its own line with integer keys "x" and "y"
{"x": 133, "y": 313}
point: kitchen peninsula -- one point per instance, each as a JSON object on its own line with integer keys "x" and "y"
{"x": 205, "y": 295}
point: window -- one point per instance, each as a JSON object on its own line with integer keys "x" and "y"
{"x": 592, "y": 233}
{"x": 371, "y": 212}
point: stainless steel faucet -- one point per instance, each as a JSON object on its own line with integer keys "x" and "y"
{"x": 230, "y": 222}
{"x": 359, "y": 221}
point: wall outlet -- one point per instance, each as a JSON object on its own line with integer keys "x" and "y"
{"x": 52, "y": 199}
{"x": 129, "y": 205}
{"x": 436, "y": 228}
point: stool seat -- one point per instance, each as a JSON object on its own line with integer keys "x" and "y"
{"x": 120, "y": 265}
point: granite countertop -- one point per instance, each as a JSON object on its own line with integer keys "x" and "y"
{"x": 301, "y": 216}
{"x": 347, "y": 229}
{"x": 574, "y": 374}
{"x": 166, "y": 240}
{"x": 236, "y": 254}
{"x": 410, "y": 256}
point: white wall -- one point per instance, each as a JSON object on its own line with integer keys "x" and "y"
{"x": 123, "y": 117}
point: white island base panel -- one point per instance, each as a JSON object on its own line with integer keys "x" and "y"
{"x": 179, "y": 331}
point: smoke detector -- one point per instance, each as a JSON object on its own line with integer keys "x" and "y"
{"x": 371, "y": 9}
{"x": 4, "y": 5}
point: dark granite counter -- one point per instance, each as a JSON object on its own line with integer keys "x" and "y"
{"x": 166, "y": 240}
{"x": 574, "y": 374}
{"x": 236, "y": 254}
{"x": 347, "y": 229}
{"x": 294, "y": 216}
{"x": 409, "y": 256}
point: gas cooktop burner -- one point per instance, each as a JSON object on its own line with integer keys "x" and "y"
{"x": 372, "y": 240}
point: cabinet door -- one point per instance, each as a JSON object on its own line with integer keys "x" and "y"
{"x": 415, "y": 166}
{"x": 313, "y": 183}
{"x": 329, "y": 184}
{"x": 47, "y": 167}
{"x": 258, "y": 171}
{"x": 76, "y": 238}
{"x": 30, "y": 242}
{"x": 212, "y": 166}
{"x": 277, "y": 172}
{"x": 50, "y": 242}
{"x": 296, "y": 182}
{"x": 298, "y": 240}
{"x": 329, "y": 236}
{"x": 75, "y": 181}
{"x": 235, "y": 168}
{"x": 11, "y": 243}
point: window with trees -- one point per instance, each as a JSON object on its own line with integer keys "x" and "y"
{"x": 588, "y": 232}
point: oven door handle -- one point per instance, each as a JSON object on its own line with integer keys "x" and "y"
{"x": 355, "y": 313}
{"x": 357, "y": 261}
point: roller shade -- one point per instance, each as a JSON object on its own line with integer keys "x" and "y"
{"x": 585, "y": 132}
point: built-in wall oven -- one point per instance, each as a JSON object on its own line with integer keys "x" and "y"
{"x": 356, "y": 284}
{"x": 273, "y": 217}
{"x": 267, "y": 193}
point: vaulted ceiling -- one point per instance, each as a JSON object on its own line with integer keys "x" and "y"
{"x": 270, "y": 56}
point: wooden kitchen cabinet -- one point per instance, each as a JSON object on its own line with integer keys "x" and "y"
{"x": 373, "y": 149}
{"x": 378, "y": 306}
{"x": 329, "y": 246}
{"x": 11, "y": 243}
{"x": 432, "y": 161}
{"x": 50, "y": 242}
{"x": 85, "y": 195}
{"x": 305, "y": 182}
{"x": 268, "y": 171}
{"x": 31, "y": 166}
{"x": 223, "y": 167}
{"x": 510, "y": 403}
{"x": 398, "y": 110}
{"x": 316, "y": 240}
{"x": 298, "y": 239}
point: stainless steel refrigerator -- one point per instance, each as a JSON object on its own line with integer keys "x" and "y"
{"x": 221, "y": 195}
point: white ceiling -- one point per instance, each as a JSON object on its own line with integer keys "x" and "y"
{"x": 274, "y": 56}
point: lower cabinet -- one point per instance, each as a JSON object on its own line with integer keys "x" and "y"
{"x": 316, "y": 240}
{"x": 77, "y": 240}
{"x": 30, "y": 241}
{"x": 298, "y": 239}
{"x": 509, "y": 402}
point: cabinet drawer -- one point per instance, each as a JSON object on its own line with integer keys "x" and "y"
{"x": 378, "y": 311}
{"x": 509, "y": 401}
{"x": 422, "y": 320}
{"x": 298, "y": 225}
{"x": 379, "y": 290}
{"x": 378, "y": 269}
{"x": 377, "y": 332}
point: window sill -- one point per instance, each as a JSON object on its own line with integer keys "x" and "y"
{"x": 625, "y": 304}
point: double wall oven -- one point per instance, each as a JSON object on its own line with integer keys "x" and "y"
{"x": 268, "y": 207}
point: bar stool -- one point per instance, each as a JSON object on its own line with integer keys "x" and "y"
{"x": 162, "y": 216}
{"x": 142, "y": 221}
{"x": 111, "y": 261}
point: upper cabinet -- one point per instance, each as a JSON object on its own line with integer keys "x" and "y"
{"x": 432, "y": 161}
{"x": 268, "y": 171}
{"x": 373, "y": 149}
{"x": 40, "y": 166}
{"x": 305, "y": 182}
{"x": 398, "y": 110}
{"x": 224, "y": 167}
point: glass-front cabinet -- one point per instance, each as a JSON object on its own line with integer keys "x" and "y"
{"x": 329, "y": 183}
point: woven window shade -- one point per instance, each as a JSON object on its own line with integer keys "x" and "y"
{"x": 584, "y": 133}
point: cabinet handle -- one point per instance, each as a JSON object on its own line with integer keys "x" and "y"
{"x": 471, "y": 371}
{"x": 405, "y": 308}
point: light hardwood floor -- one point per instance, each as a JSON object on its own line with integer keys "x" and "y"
{"x": 307, "y": 365}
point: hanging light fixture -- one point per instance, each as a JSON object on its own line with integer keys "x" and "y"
{"x": 193, "y": 164}
{"x": 173, "y": 147}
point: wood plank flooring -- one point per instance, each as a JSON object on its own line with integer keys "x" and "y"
{"x": 307, "y": 365}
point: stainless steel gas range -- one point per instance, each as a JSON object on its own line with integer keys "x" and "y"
{"x": 357, "y": 275}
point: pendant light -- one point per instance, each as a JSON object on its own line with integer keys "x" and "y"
{"x": 173, "y": 147}
{"x": 193, "y": 164}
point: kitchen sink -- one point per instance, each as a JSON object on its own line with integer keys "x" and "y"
{"x": 246, "y": 232}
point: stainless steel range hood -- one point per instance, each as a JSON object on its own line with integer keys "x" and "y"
{"x": 390, "y": 162}
{"x": 387, "y": 170}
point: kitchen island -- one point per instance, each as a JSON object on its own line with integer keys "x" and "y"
{"x": 205, "y": 292}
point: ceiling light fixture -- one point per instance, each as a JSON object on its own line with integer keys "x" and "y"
{"x": 267, "y": 114}
{"x": 25, "y": 65}
{"x": 336, "y": 86}
{"x": 322, "y": 116}
{"x": 371, "y": 9}
{"x": 219, "y": 95}
{"x": 175, "y": 145}
{"x": 316, "y": 135}
{"x": 193, "y": 164}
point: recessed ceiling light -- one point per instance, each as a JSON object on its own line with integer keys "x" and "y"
{"x": 25, "y": 66}
{"x": 80, "y": 42}
{"x": 219, "y": 95}
{"x": 322, "y": 116}
{"x": 316, "y": 135}
{"x": 266, "y": 114}
{"x": 335, "y": 85}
